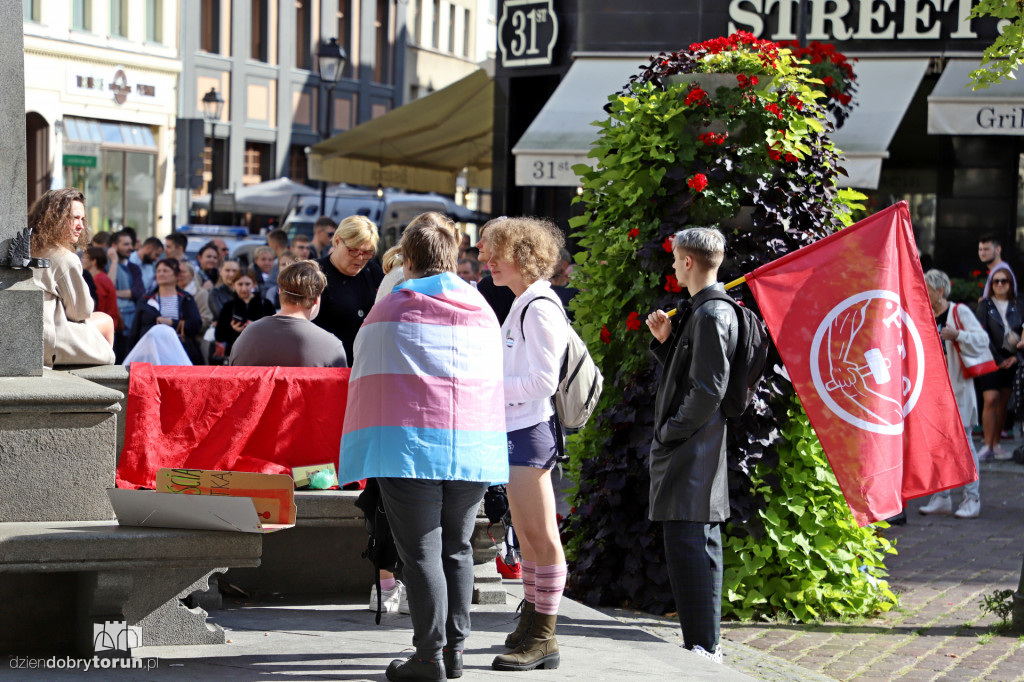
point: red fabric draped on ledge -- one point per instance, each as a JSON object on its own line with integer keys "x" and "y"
{"x": 261, "y": 419}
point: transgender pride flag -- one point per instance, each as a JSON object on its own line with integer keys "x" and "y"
{"x": 426, "y": 394}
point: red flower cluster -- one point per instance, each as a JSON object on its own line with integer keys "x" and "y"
{"x": 790, "y": 158}
{"x": 745, "y": 82}
{"x": 741, "y": 41}
{"x": 712, "y": 138}
{"x": 825, "y": 57}
{"x": 772, "y": 107}
{"x": 698, "y": 182}
{"x": 633, "y": 233}
{"x": 672, "y": 284}
{"x": 795, "y": 102}
{"x": 667, "y": 244}
{"x": 695, "y": 96}
{"x": 633, "y": 322}
{"x": 606, "y": 336}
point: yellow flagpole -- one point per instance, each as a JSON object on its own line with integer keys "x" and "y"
{"x": 730, "y": 285}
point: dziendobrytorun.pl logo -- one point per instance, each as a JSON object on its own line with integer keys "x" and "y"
{"x": 107, "y": 636}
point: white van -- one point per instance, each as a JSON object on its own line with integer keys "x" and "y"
{"x": 391, "y": 212}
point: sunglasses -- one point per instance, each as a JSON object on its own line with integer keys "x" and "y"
{"x": 1000, "y": 281}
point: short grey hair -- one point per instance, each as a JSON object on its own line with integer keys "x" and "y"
{"x": 705, "y": 243}
{"x": 939, "y": 281}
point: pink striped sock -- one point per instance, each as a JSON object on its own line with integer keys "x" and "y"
{"x": 529, "y": 571}
{"x": 550, "y": 585}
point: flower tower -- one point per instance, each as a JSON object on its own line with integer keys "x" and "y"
{"x": 731, "y": 132}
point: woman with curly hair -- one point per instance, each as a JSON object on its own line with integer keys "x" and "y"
{"x": 523, "y": 254}
{"x": 73, "y": 333}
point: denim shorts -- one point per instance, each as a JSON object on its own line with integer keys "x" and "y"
{"x": 534, "y": 446}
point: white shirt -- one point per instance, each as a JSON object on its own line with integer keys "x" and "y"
{"x": 531, "y": 365}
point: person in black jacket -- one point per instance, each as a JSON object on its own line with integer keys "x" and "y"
{"x": 1000, "y": 315}
{"x": 171, "y": 306}
{"x": 247, "y": 306}
{"x": 689, "y": 486}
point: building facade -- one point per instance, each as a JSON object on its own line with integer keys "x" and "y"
{"x": 260, "y": 57}
{"x": 917, "y": 132}
{"x": 447, "y": 41}
{"x": 101, "y": 81}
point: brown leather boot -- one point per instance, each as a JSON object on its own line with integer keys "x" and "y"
{"x": 515, "y": 638}
{"x": 538, "y": 650}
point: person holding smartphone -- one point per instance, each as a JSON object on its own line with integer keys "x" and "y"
{"x": 246, "y": 306}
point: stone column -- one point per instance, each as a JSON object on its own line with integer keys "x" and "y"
{"x": 21, "y": 302}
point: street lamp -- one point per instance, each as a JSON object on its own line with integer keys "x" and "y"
{"x": 330, "y": 60}
{"x": 213, "y": 107}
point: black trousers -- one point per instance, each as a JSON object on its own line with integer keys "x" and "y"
{"x": 693, "y": 552}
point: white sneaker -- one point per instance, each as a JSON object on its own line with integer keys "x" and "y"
{"x": 970, "y": 508}
{"x": 985, "y": 454}
{"x": 998, "y": 453}
{"x": 940, "y": 505}
{"x": 394, "y": 600}
{"x": 704, "y": 653}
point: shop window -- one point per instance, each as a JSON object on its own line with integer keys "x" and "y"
{"x": 256, "y": 167}
{"x": 303, "y": 34}
{"x": 259, "y": 49}
{"x": 382, "y": 36}
{"x": 209, "y": 26}
{"x": 345, "y": 34}
{"x": 81, "y": 15}
{"x": 119, "y": 18}
{"x": 154, "y": 21}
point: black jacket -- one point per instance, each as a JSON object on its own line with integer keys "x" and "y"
{"x": 256, "y": 309}
{"x": 687, "y": 463}
{"x": 145, "y": 319}
{"x": 992, "y": 322}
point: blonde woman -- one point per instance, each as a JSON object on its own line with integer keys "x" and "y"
{"x": 522, "y": 254}
{"x": 353, "y": 278}
{"x": 73, "y": 334}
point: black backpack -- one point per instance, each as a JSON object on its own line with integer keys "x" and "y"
{"x": 747, "y": 366}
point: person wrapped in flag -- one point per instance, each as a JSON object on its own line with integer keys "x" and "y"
{"x": 426, "y": 417}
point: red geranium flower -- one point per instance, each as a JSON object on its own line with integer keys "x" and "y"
{"x": 633, "y": 233}
{"x": 790, "y": 158}
{"x": 606, "y": 336}
{"x": 672, "y": 284}
{"x": 695, "y": 96}
{"x": 773, "y": 108}
{"x": 698, "y": 182}
{"x": 667, "y": 244}
{"x": 633, "y": 322}
{"x": 712, "y": 138}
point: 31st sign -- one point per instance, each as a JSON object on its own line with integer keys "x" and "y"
{"x": 527, "y": 32}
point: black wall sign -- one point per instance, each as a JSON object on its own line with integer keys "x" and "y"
{"x": 527, "y": 32}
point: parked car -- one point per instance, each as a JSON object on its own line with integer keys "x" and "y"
{"x": 240, "y": 243}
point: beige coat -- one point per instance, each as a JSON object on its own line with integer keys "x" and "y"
{"x": 67, "y": 340}
{"x": 971, "y": 333}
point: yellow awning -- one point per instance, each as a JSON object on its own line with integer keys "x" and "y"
{"x": 420, "y": 146}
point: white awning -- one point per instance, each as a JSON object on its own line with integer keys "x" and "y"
{"x": 561, "y": 135}
{"x": 885, "y": 88}
{"x": 955, "y": 109}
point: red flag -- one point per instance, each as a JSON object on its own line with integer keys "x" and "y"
{"x": 852, "y": 321}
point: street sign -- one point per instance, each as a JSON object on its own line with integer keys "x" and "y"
{"x": 79, "y": 161}
{"x": 527, "y": 32}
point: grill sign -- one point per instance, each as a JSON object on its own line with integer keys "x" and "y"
{"x": 527, "y": 32}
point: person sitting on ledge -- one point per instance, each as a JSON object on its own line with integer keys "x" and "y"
{"x": 73, "y": 333}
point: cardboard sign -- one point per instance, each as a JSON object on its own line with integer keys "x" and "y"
{"x": 209, "y": 500}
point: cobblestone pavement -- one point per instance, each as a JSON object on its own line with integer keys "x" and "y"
{"x": 943, "y": 568}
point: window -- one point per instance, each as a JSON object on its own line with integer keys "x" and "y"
{"x": 382, "y": 30}
{"x": 154, "y": 21}
{"x": 31, "y": 10}
{"x": 256, "y": 167}
{"x": 413, "y": 21}
{"x": 81, "y": 15}
{"x": 466, "y": 32}
{"x": 209, "y": 26}
{"x": 303, "y": 34}
{"x": 119, "y": 18}
{"x": 259, "y": 47}
{"x": 436, "y": 26}
{"x": 345, "y": 34}
{"x": 451, "y": 28}
{"x": 297, "y": 163}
